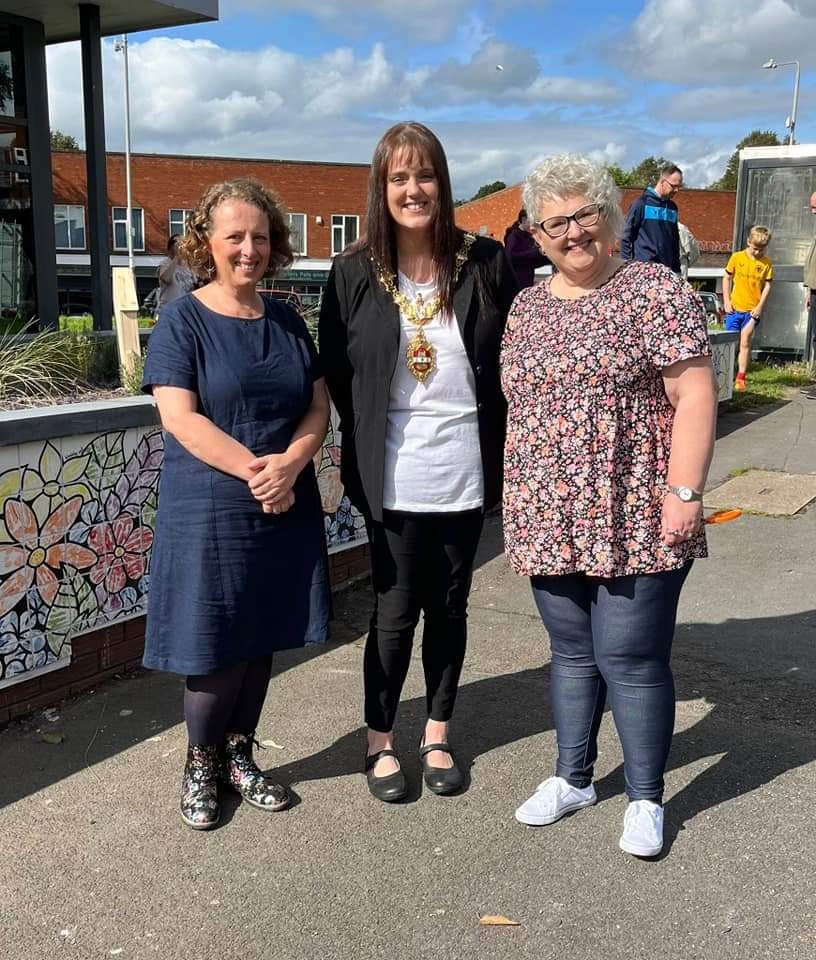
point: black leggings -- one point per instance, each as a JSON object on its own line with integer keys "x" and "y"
{"x": 419, "y": 562}
{"x": 228, "y": 701}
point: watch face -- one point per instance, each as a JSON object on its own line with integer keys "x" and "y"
{"x": 685, "y": 493}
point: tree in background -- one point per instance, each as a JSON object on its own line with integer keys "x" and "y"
{"x": 756, "y": 138}
{"x": 63, "y": 141}
{"x": 642, "y": 175}
{"x": 487, "y": 189}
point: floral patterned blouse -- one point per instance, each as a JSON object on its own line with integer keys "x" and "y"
{"x": 589, "y": 423}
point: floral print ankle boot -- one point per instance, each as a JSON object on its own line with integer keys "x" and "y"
{"x": 199, "y": 788}
{"x": 242, "y": 774}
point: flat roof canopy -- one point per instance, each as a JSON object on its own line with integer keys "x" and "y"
{"x": 61, "y": 17}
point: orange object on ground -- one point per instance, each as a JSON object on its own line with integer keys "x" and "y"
{"x": 723, "y": 516}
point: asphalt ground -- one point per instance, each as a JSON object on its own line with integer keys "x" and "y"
{"x": 95, "y": 861}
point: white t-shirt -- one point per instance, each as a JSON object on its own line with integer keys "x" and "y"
{"x": 433, "y": 460}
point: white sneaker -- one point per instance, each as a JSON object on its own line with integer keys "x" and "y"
{"x": 552, "y": 799}
{"x": 642, "y": 829}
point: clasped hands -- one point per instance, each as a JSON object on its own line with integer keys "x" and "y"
{"x": 273, "y": 479}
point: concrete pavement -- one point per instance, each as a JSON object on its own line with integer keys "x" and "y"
{"x": 95, "y": 862}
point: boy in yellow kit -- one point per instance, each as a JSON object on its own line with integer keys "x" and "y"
{"x": 746, "y": 286}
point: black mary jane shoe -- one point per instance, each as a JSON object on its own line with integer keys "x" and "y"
{"x": 441, "y": 780}
{"x": 389, "y": 789}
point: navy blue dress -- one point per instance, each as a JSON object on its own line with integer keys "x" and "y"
{"x": 229, "y": 582}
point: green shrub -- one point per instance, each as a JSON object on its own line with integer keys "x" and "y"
{"x": 131, "y": 379}
{"x": 79, "y": 323}
{"x": 38, "y": 365}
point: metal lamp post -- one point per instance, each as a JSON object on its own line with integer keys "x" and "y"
{"x": 791, "y": 122}
{"x": 121, "y": 46}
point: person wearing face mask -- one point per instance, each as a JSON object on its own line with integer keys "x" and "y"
{"x": 239, "y": 567}
{"x": 612, "y": 406}
{"x": 410, "y": 327}
{"x": 651, "y": 233}
{"x": 522, "y": 250}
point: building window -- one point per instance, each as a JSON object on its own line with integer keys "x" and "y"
{"x": 120, "y": 228}
{"x": 178, "y": 221}
{"x": 345, "y": 229}
{"x": 69, "y": 226}
{"x": 297, "y": 233}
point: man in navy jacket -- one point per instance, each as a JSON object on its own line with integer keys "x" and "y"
{"x": 651, "y": 232}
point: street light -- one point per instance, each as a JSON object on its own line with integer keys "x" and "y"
{"x": 790, "y": 123}
{"x": 121, "y": 46}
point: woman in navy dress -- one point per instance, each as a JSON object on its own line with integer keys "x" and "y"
{"x": 239, "y": 562}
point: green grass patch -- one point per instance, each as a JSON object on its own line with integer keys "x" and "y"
{"x": 77, "y": 323}
{"x": 740, "y": 471}
{"x": 769, "y": 383}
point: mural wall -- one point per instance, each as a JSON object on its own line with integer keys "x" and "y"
{"x": 77, "y": 517}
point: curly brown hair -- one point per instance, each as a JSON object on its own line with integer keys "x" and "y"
{"x": 193, "y": 246}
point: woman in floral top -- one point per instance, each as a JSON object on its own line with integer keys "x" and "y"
{"x": 612, "y": 407}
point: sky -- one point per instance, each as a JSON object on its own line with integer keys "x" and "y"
{"x": 313, "y": 80}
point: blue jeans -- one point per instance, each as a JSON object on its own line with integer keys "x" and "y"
{"x": 612, "y": 638}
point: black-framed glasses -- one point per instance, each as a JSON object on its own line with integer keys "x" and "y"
{"x": 587, "y": 216}
{"x": 675, "y": 187}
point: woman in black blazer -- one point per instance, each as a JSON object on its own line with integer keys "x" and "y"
{"x": 410, "y": 329}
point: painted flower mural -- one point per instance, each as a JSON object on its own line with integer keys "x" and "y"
{"x": 76, "y": 531}
{"x": 38, "y": 555}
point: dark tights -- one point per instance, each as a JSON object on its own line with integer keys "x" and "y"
{"x": 228, "y": 701}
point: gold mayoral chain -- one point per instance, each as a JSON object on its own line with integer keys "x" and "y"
{"x": 421, "y": 353}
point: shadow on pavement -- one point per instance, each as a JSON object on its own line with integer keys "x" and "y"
{"x": 731, "y": 420}
{"x": 753, "y": 674}
{"x": 100, "y": 724}
{"x": 759, "y": 723}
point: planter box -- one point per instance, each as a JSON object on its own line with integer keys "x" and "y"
{"x": 78, "y": 496}
{"x": 724, "y": 347}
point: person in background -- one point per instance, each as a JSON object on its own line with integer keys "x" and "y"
{"x": 612, "y": 404}
{"x": 650, "y": 232}
{"x": 810, "y": 300}
{"x": 239, "y": 567}
{"x": 174, "y": 275}
{"x": 523, "y": 250}
{"x": 746, "y": 286}
{"x": 410, "y": 329}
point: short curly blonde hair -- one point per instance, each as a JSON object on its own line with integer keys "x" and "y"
{"x": 571, "y": 175}
{"x": 194, "y": 247}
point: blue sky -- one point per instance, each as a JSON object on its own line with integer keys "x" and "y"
{"x": 307, "y": 79}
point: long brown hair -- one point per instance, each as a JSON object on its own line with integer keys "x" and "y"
{"x": 380, "y": 236}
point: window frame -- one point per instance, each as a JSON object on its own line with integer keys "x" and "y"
{"x": 68, "y": 207}
{"x": 114, "y": 220}
{"x": 185, "y": 211}
{"x": 344, "y": 217}
{"x": 304, "y": 234}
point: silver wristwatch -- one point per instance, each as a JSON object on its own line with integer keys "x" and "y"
{"x": 686, "y": 494}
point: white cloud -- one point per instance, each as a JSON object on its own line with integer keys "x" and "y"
{"x": 689, "y": 41}
{"x": 519, "y": 81}
{"x": 761, "y": 108}
{"x": 193, "y": 96}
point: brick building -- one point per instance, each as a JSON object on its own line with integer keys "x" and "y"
{"x": 325, "y": 203}
{"x": 709, "y": 214}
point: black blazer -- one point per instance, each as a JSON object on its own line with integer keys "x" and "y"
{"x": 359, "y": 350}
